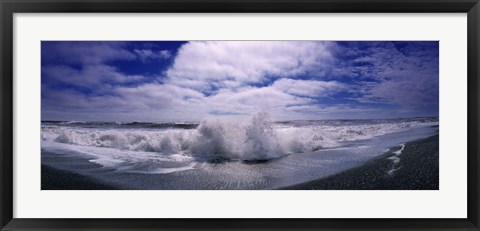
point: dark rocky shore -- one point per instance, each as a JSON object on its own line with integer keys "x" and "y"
{"x": 417, "y": 170}
{"x": 56, "y": 179}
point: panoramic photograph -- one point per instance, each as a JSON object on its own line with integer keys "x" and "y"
{"x": 239, "y": 115}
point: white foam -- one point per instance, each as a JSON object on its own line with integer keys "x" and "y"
{"x": 106, "y": 162}
{"x": 164, "y": 170}
{"x": 399, "y": 151}
{"x": 256, "y": 138}
{"x": 393, "y": 170}
{"x": 396, "y": 159}
{"x": 124, "y": 160}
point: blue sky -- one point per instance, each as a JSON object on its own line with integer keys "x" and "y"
{"x": 192, "y": 80}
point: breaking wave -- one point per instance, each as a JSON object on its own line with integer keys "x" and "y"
{"x": 255, "y": 139}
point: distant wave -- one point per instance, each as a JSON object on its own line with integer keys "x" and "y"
{"x": 352, "y": 122}
{"x": 151, "y": 125}
{"x": 255, "y": 139}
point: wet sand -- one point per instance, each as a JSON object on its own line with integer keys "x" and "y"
{"x": 417, "y": 169}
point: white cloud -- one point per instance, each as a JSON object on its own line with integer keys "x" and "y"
{"x": 408, "y": 78}
{"x": 265, "y": 96}
{"x": 404, "y": 75}
{"x": 148, "y": 55}
{"x": 223, "y": 78}
{"x": 159, "y": 91}
{"x": 201, "y": 65}
{"x": 338, "y": 111}
{"x": 145, "y": 102}
{"x": 159, "y": 97}
{"x": 249, "y": 100}
{"x": 415, "y": 92}
{"x": 88, "y": 75}
{"x": 86, "y": 64}
{"x": 308, "y": 88}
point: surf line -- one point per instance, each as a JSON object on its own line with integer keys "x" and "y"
{"x": 396, "y": 159}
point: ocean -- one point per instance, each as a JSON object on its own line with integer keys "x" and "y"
{"x": 222, "y": 154}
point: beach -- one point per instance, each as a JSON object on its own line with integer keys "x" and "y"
{"x": 56, "y": 179}
{"x": 258, "y": 155}
{"x": 417, "y": 169}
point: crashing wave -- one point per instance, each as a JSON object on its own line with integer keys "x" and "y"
{"x": 216, "y": 139}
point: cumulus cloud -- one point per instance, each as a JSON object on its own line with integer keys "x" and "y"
{"x": 251, "y": 99}
{"x": 210, "y": 64}
{"x": 86, "y": 64}
{"x": 308, "y": 88}
{"x": 158, "y": 96}
{"x": 152, "y": 102}
{"x": 289, "y": 79}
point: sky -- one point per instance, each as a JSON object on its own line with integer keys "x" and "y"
{"x": 194, "y": 80}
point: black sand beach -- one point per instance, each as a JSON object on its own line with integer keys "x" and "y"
{"x": 418, "y": 169}
{"x": 56, "y": 179}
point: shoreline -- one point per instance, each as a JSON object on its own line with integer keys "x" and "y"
{"x": 409, "y": 166}
{"x": 415, "y": 168}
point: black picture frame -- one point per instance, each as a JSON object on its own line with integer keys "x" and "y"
{"x": 10, "y": 7}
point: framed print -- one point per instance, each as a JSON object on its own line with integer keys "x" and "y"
{"x": 239, "y": 115}
{"x": 217, "y": 135}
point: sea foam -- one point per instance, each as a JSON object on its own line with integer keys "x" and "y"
{"x": 254, "y": 139}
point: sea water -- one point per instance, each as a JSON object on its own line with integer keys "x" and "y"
{"x": 221, "y": 154}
